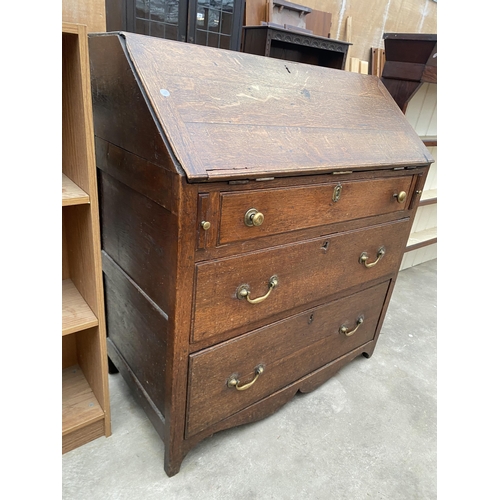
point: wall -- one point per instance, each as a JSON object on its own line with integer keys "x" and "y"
{"x": 370, "y": 19}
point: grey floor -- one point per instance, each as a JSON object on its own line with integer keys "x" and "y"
{"x": 368, "y": 433}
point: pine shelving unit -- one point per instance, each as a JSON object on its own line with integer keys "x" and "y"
{"x": 85, "y": 394}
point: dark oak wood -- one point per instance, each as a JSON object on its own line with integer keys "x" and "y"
{"x": 294, "y": 45}
{"x": 411, "y": 60}
{"x": 327, "y": 265}
{"x": 187, "y": 140}
{"x": 288, "y": 350}
{"x": 291, "y": 209}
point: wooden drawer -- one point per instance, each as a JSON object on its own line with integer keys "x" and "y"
{"x": 307, "y": 271}
{"x": 309, "y": 206}
{"x": 287, "y": 350}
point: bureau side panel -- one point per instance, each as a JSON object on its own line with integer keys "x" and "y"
{"x": 121, "y": 111}
{"x": 137, "y": 330}
{"x": 140, "y": 236}
{"x": 139, "y": 246}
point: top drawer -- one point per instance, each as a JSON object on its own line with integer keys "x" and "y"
{"x": 252, "y": 214}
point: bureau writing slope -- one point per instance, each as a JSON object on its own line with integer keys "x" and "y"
{"x": 254, "y": 215}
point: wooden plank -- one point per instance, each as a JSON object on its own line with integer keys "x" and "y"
{"x": 79, "y": 405}
{"x": 255, "y": 12}
{"x": 69, "y": 352}
{"x": 82, "y": 436}
{"x": 428, "y": 197}
{"x": 421, "y": 239}
{"x": 354, "y": 65}
{"x": 72, "y": 194}
{"x": 377, "y": 61}
{"x": 348, "y": 29}
{"x": 91, "y": 13}
{"x": 319, "y": 22}
{"x": 363, "y": 67}
{"x": 407, "y": 71}
{"x": 76, "y": 314}
{"x": 430, "y": 141}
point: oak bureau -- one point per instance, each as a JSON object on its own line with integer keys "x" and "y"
{"x": 254, "y": 215}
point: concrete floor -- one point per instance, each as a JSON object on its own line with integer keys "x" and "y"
{"x": 368, "y": 433}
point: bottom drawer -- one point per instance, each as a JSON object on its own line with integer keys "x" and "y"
{"x": 286, "y": 351}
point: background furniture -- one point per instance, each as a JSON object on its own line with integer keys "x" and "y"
{"x": 410, "y": 75}
{"x": 254, "y": 216}
{"x": 281, "y": 43}
{"x": 203, "y": 22}
{"x": 85, "y": 398}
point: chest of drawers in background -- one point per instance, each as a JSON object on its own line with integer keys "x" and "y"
{"x": 254, "y": 216}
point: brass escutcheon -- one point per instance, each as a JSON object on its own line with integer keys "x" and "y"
{"x": 337, "y": 191}
{"x": 234, "y": 382}
{"x": 254, "y": 218}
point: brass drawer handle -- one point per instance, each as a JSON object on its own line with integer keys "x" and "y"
{"x": 243, "y": 291}
{"x": 254, "y": 218}
{"x": 364, "y": 257}
{"x": 400, "y": 197}
{"x": 234, "y": 382}
{"x": 343, "y": 329}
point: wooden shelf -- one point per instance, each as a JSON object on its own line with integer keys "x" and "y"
{"x": 421, "y": 239}
{"x": 76, "y": 314}
{"x": 85, "y": 395}
{"x": 430, "y": 141}
{"x": 72, "y": 194}
{"x": 82, "y": 414}
{"x": 428, "y": 197}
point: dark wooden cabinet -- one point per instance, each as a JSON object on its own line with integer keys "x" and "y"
{"x": 281, "y": 43}
{"x": 411, "y": 60}
{"x": 254, "y": 216}
{"x": 213, "y": 23}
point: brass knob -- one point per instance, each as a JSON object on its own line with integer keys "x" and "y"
{"x": 205, "y": 225}
{"x": 400, "y": 197}
{"x": 254, "y": 218}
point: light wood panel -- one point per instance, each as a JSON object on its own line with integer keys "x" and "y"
{"x": 76, "y": 314}
{"x": 319, "y": 22}
{"x": 72, "y": 194}
{"x": 80, "y": 408}
{"x": 92, "y": 13}
{"x": 85, "y": 398}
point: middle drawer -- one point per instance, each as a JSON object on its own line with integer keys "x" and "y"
{"x": 285, "y": 351}
{"x": 290, "y": 276}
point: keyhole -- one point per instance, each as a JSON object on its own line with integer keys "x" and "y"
{"x": 325, "y": 246}
{"x": 310, "y": 320}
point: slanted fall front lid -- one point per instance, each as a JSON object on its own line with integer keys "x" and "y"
{"x": 228, "y": 114}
